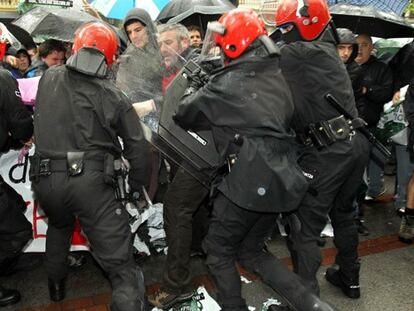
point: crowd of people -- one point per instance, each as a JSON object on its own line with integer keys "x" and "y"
{"x": 283, "y": 148}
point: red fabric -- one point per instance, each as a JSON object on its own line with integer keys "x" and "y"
{"x": 167, "y": 80}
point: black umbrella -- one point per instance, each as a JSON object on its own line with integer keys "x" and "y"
{"x": 369, "y": 20}
{"x": 53, "y": 23}
{"x": 194, "y": 12}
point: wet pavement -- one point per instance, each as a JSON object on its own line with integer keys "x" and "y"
{"x": 387, "y": 273}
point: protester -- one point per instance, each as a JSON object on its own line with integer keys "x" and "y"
{"x": 175, "y": 49}
{"x": 377, "y": 89}
{"x": 140, "y": 70}
{"x": 196, "y": 40}
{"x": 348, "y": 51}
{"x": 51, "y": 53}
{"x": 263, "y": 179}
{"x": 24, "y": 70}
{"x": 185, "y": 197}
{"x": 333, "y": 157}
{"x": 79, "y": 118}
{"x": 16, "y": 127}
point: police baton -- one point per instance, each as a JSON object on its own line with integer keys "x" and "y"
{"x": 363, "y": 130}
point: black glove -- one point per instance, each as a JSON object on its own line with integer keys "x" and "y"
{"x": 198, "y": 79}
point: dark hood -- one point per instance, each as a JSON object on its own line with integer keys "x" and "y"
{"x": 346, "y": 36}
{"x": 143, "y": 16}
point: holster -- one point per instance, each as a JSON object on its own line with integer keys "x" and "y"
{"x": 325, "y": 133}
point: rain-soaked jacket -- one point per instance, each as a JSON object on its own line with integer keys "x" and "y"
{"x": 16, "y": 123}
{"x": 140, "y": 71}
{"x": 378, "y": 79}
{"x": 249, "y": 97}
{"x": 89, "y": 114}
{"x": 321, "y": 71}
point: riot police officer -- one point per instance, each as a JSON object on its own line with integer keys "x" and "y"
{"x": 247, "y": 106}
{"x": 16, "y": 126}
{"x": 79, "y": 118}
{"x": 333, "y": 154}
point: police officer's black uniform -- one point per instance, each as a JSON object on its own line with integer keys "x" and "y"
{"x": 248, "y": 108}
{"x": 334, "y": 167}
{"x": 16, "y": 125}
{"x": 79, "y": 111}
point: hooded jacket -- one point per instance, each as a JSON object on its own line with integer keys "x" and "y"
{"x": 140, "y": 71}
{"x": 346, "y": 36}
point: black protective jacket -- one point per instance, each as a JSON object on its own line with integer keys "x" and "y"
{"x": 80, "y": 112}
{"x": 249, "y": 97}
{"x": 16, "y": 123}
{"x": 312, "y": 70}
{"x": 377, "y": 77}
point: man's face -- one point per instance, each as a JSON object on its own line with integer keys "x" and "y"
{"x": 54, "y": 58}
{"x": 344, "y": 51}
{"x": 171, "y": 47}
{"x": 195, "y": 38}
{"x": 137, "y": 34}
{"x": 365, "y": 48}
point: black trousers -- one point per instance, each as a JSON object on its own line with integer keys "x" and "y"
{"x": 184, "y": 203}
{"x": 15, "y": 229}
{"x": 238, "y": 235}
{"x": 105, "y": 223}
{"x": 336, "y": 174}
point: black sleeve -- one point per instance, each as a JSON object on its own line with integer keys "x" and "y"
{"x": 16, "y": 115}
{"x": 136, "y": 149}
{"x": 189, "y": 115}
{"x": 382, "y": 91}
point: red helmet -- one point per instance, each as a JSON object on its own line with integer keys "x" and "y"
{"x": 240, "y": 28}
{"x": 97, "y": 35}
{"x": 309, "y": 16}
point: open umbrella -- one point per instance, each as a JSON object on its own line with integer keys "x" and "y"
{"x": 369, "y": 20}
{"x": 118, "y": 9}
{"x": 391, "y": 6}
{"x": 194, "y": 12}
{"x": 53, "y": 23}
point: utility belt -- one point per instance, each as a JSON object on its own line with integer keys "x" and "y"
{"x": 74, "y": 164}
{"x": 325, "y": 133}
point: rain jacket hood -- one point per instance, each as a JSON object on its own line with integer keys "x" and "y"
{"x": 142, "y": 16}
{"x": 346, "y": 36}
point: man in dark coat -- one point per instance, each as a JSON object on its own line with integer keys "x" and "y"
{"x": 185, "y": 211}
{"x": 348, "y": 50}
{"x": 333, "y": 155}
{"x": 248, "y": 108}
{"x": 79, "y": 118}
{"x": 377, "y": 90}
{"x": 16, "y": 127}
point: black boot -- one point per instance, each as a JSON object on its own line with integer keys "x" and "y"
{"x": 56, "y": 290}
{"x": 8, "y": 296}
{"x": 350, "y": 289}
